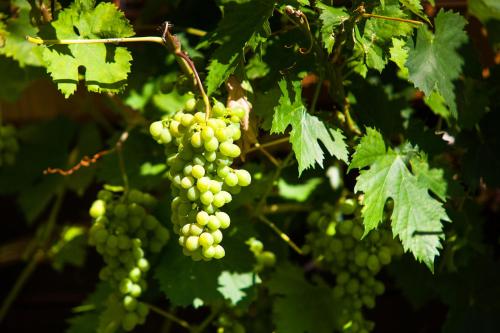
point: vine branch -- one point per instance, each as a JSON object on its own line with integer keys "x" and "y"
{"x": 88, "y": 161}
{"x": 388, "y": 18}
{"x": 170, "y": 316}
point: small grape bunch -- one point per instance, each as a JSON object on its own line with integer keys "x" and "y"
{"x": 336, "y": 240}
{"x": 8, "y": 145}
{"x": 263, "y": 258}
{"x": 123, "y": 232}
{"x": 200, "y": 152}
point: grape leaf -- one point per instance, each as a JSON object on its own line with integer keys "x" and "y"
{"x": 416, "y": 8}
{"x": 330, "y": 17}
{"x": 300, "y": 306}
{"x": 484, "y": 10}
{"x": 299, "y": 192}
{"x": 70, "y": 248}
{"x": 87, "y": 321}
{"x": 416, "y": 217}
{"x": 431, "y": 178}
{"x": 433, "y": 62}
{"x": 437, "y": 104}
{"x": 377, "y": 35}
{"x": 231, "y": 285}
{"x": 306, "y": 130}
{"x": 106, "y": 66}
{"x": 399, "y": 55}
{"x": 241, "y": 22}
{"x": 183, "y": 281}
{"x": 17, "y": 28}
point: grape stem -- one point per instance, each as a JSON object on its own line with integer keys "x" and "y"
{"x": 168, "y": 40}
{"x": 173, "y": 44}
{"x": 121, "y": 160}
{"x": 170, "y": 316}
{"x": 368, "y": 15}
{"x": 147, "y": 39}
{"x": 258, "y": 146}
{"x": 280, "y": 233}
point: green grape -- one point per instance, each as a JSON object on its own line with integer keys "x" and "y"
{"x": 192, "y": 243}
{"x": 120, "y": 234}
{"x": 200, "y": 174}
{"x": 266, "y": 258}
{"x": 373, "y": 263}
{"x": 348, "y": 206}
{"x": 206, "y": 240}
{"x": 384, "y": 255}
{"x": 219, "y": 252}
{"x": 231, "y": 179}
{"x": 130, "y": 320}
{"x": 97, "y": 209}
{"x": 156, "y": 128}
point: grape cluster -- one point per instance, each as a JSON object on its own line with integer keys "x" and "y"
{"x": 123, "y": 232}
{"x": 263, "y": 258}
{"x": 336, "y": 242}
{"x": 199, "y": 153}
{"x": 8, "y": 145}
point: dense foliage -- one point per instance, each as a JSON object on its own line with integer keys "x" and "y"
{"x": 344, "y": 152}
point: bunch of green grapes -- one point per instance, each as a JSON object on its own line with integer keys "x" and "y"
{"x": 336, "y": 242}
{"x": 199, "y": 153}
{"x": 263, "y": 258}
{"x": 227, "y": 324}
{"x": 8, "y": 145}
{"x": 123, "y": 232}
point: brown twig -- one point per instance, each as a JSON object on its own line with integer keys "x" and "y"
{"x": 88, "y": 161}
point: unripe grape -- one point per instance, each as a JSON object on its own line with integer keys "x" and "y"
{"x": 192, "y": 243}
{"x": 208, "y": 252}
{"x": 135, "y": 290}
{"x": 219, "y": 252}
{"x": 202, "y": 218}
{"x": 135, "y": 274}
{"x": 129, "y": 303}
{"x": 231, "y": 179}
{"x": 345, "y": 227}
{"x": 156, "y": 128}
{"x": 196, "y": 140}
{"x": 203, "y": 184}
{"x": 348, "y": 206}
{"x": 190, "y": 105}
{"x": 373, "y": 263}
{"x": 224, "y": 219}
{"x": 223, "y": 171}
{"x": 230, "y": 149}
{"x": 207, "y": 133}
{"x": 384, "y": 255}
{"x": 143, "y": 264}
{"x": 219, "y": 200}
{"x": 218, "y": 109}
{"x": 217, "y": 235}
{"x": 206, "y": 240}
{"x": 213, "y": 223}
{"x": 129, "y": 322}
{"x": 198, "y": 171}
{"x": 266, "y": 258}
{"x": 97, "y": 209}
{"x": 211, "y": 144}
{"x": 187, "y": 119}
{"x": 206, "y": 197}
{"x": 195, "y": 229}
{"x": 361, "y": 258}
